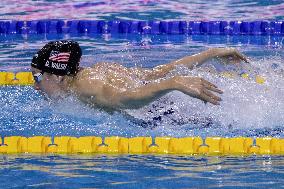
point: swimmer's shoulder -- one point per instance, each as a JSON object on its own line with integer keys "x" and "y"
{"x": 98, "y": 70}
{"x": 104, "y": 64}
{"x": 84, "y": 74}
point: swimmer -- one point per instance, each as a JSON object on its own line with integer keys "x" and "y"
{"x": 111, "y": 86}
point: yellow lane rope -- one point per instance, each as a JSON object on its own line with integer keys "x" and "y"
{"x": 143, "y": 145}
{"x": 26, "y": 78}
{"x": 20, "y": 78}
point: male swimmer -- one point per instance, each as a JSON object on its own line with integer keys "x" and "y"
{"x": 112, "y": 86}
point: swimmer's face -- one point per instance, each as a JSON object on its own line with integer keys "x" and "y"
{"x": 47, "y": 83}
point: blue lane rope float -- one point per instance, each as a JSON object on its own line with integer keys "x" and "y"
{"x": 143, "y": 27}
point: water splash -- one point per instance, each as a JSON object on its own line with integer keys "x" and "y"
{"x": 246, "y": 106}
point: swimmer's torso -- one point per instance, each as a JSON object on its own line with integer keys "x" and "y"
{"x": 113, "y": 74}
{"x": 90, "y": 83}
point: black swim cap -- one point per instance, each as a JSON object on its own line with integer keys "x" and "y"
{"x": 59, "y": 58}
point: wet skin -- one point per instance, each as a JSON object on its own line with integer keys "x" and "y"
{"x": 113, "y": 86}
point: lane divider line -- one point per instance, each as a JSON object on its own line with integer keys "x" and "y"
{"x": 221, "y": 27}
{"x": 26, "y": 78}
{"x": 143, "y": 145}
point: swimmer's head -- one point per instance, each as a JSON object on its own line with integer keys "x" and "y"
{"x": 59, "y": 58}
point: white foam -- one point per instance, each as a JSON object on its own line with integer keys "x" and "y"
{"x": 245, "y": 103}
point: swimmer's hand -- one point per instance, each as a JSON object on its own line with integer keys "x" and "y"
{"x": 229, "y": 55}
{"x": 198, "y": 88}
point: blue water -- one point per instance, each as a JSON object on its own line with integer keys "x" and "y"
{"x": 136, "y": 171}
{"x": 248, "y": 109}
{"x": 25, "y": 112}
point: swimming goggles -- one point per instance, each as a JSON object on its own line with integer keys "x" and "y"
{"x": 38, "y": 77}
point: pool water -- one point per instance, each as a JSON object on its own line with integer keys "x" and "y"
{"x": 136, "y": 171}
{"x": 247, "y": 108}
{"x": 142, "y": 10}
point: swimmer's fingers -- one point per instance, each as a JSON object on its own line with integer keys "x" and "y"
{"x": 208, "y": 96}
{"x": 211, "y": 87}
{"x": 207, "y": 93}
{"x": 241, "y": 56}
{"x": 208, "y": 83}
{"x": 232, "y": 54}
{"x": 214, "y": 89}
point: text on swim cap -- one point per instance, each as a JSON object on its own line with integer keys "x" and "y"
{"x": 56, "y": 65}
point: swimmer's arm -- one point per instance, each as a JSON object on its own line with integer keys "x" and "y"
{"x": 141, "y": 96}
{"x": 200, "y": 58}
{"x": 194, "y": 61}
{"x": 103, "y": 94}
{"x": 192, "y": 86}
{"x": 106, "y": 94}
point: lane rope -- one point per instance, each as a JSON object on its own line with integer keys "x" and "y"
{"x": 142, "y": 27}
{"x": 26, "y": 78}
{"x": 142, "y": 145}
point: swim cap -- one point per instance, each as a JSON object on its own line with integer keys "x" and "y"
{"x": 58, "y": 57}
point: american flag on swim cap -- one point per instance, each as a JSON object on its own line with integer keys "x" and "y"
{"x": 56, "y": 56}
